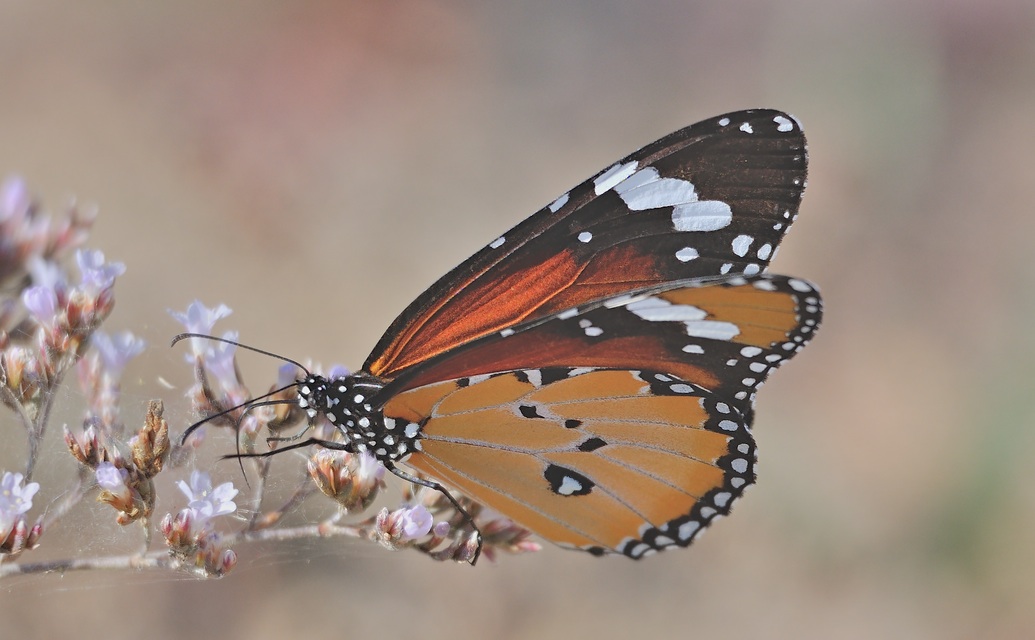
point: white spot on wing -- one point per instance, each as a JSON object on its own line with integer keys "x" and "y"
{"x": 569, "y": 486}
{"x": 655, "y": 309}
{"x": 647, "y": 190}
{"x": 688, "y": 529}
{"x": 659, "y": 310}
{"x": 706, "y": 215}
{"x": 686, "y": 254}
{"x": 746, "y": 128}
{"x": 799, "y": 285}
{"x": 764, "y": 251}
{"x": 693, "y": 348}
{"x": 585, "y": 236}
{"x": 558, "y": 203}
{"x": 783, "y": 124}
{"x": 498, "y": 242}
{"x": 724, "y": 122}
{"x": 712, "y": 329}
{"x": 608, "y": 179}
{"x": 741, "y": 244}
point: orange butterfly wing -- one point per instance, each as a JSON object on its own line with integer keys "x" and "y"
{"x": 600, "y": 460}
{"x": 639, "y": 438}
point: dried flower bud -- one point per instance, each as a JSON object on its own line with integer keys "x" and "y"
{"x": 352, "y": 480}
{"x": 85, "y": 447}
{"x": 150, "y": 447}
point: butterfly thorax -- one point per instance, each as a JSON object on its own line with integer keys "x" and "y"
{"x": 349, "y": 404}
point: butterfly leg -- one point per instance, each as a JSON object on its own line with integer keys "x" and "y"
{"x": 430, "y": 484}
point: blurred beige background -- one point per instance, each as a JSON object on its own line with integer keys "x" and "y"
{"x": 315, "y": 165}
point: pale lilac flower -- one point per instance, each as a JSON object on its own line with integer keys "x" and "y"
{"x": 219, "y": 360}
{"x": 14, "y": 198}
{"x": 97, "y": 275}
{"x": 204, "y": 502}
{"x": 42, "y": 303}
{"x": 199, "y": 318}
{"x": 287, "y": 374}
{"x": 337, "y": 371}
{"x": 116, "y": 350}
{"x": 46, "y": 273}
{"x": 368, "y": 469}
{"x": 413, "y": 522}
{"x": 112, "y": 479}
{"x": 15, "y": 500}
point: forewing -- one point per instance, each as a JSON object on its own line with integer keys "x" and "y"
{"x": 712, "y": 199}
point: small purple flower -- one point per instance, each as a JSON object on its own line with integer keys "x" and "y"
{"x": 286, "y": 375}
{"x": 42, "y": 304}
{"x": 337, "y": 371}
{"x": 204, "y": 502}
{"x": 200, "y": 319}
{"x": 14, "y": 198}
{"x": 116, "y": 350}
{"x": 218, "y": 358}
{"x": 15, "y": 500}
{"x": 46, "y": 273}
{"x": 413, "y": 522}
{"x": 368, "y": 469}
{"x": 97, "y": 275}
{"x": 112, "y": 479}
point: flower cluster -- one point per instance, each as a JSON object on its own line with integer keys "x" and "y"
{"x": 50, "y": 324}
{"x": 190, "y": 535}
{"x": 219, "y": 391}
{"x": 126, "y": 483}
{"x": 15, "y": 501}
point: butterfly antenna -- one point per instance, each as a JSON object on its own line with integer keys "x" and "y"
{"x": 184, "y": 336}
{"x": 248, "y": 405}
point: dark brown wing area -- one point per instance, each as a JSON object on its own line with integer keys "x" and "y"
{"x": 712, "y": 199}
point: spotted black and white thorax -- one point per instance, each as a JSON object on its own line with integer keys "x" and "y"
{"x": 347, "y": 403}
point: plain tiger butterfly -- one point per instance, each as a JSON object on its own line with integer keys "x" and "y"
{"x": 591, "y": 373}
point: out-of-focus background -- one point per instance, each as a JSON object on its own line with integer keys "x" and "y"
{"x": 315, "y": 165}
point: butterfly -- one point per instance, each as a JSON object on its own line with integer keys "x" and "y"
{"x": 591, "y": 373}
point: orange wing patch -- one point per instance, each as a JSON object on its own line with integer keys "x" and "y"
{"x": 608, "y": 461}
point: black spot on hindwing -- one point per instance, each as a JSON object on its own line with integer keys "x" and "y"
{"x": 567, "y": 482}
